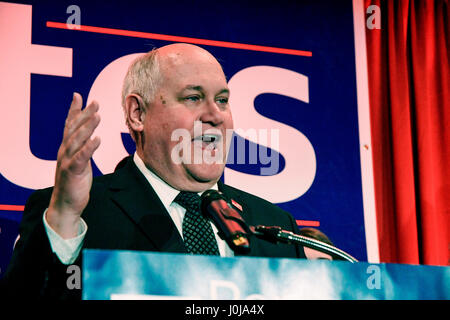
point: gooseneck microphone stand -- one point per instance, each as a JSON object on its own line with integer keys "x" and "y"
{"x": 276, "y": 234}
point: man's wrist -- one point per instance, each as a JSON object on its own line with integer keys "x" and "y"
{"x": 67, "y": 250}
{"x": 64, "y": 224}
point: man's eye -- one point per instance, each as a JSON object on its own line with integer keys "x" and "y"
{"x": 192, "y": 98}
{"x": 223, "y": 100}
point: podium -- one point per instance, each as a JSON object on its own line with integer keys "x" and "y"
{"x": 125, "y": 275}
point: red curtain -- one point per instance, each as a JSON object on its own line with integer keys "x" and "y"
{"x": 409, "y": 93}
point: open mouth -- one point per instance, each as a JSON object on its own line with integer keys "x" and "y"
{"x": 208, "y": 141}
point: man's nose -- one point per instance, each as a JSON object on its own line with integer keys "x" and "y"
{"x": 211, "y": 113}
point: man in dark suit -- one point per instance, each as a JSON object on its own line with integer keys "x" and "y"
{"x": 139, "y": 206}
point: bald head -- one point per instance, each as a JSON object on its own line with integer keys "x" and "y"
{"x": 174, "y": 56}
{"x": 179, "y": 49}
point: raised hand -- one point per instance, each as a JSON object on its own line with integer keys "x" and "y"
{"x": 73, "y": 178}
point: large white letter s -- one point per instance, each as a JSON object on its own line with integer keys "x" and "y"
{"x": 300, "y": 168}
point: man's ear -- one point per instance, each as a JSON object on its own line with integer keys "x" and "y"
{"x": 134, "y": 112}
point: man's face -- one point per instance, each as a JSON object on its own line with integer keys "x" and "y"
{"x": 193, "y": 97}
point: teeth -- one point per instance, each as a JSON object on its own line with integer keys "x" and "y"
{"x": 208, "y": 138}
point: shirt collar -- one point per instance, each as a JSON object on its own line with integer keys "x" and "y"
{"x": 165, "y": 192}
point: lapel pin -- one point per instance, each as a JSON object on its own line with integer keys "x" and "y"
{"x": 237, "y": 205}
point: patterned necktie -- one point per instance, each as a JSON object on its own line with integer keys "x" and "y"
{"x": 197, "y": 231}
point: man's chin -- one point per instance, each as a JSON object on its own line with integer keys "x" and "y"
{"x": 205, "y": 173}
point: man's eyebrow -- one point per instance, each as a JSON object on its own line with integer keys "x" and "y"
{"x": 193, "y": 87}
{"x": 223, "y": 91}
{"x": 200, "y": 88}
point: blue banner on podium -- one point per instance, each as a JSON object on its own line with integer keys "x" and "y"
{"x": 145, "y": 275}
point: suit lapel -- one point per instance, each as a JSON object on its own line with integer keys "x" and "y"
{"x": 235, "y": 199}
{"x": 238, "y": 200}
{"x": 132, "y": 193}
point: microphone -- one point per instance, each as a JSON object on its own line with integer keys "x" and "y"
{"x": 232, "y": 227}
{"x": 235, "y": 231}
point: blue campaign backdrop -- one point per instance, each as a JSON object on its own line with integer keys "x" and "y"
{"x": 329, "y": 119}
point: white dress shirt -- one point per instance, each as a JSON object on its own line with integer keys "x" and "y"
{"x": 67, "y": 250}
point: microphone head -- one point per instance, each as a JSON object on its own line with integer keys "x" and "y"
{"x": 231, "y": 225}
{"x": 209, "y": 196}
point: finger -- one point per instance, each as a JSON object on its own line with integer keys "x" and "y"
{"x": 81, "y": 135}
{"x": 75, "y": 109}
{"x": 75, "y": 106}
{"x": 82, "y": 157}
{"x": 79, "y": 119}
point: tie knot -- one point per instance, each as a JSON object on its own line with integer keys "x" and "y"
{"x": 189, "y": 200}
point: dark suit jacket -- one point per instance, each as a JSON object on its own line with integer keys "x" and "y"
{"x": 123, "y": 213}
